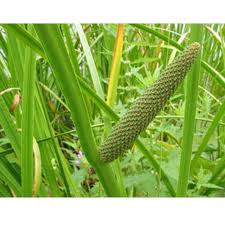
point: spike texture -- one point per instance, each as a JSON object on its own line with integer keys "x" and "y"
{"x": 147, "y": 106}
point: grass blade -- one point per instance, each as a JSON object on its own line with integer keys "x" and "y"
{"x": 27, "y": 125}
{"x": 115, "y": 68}
{"x": 190, "y": 112}
{"x": 25, "y": 36}
{"x": 71, "y": 50}
{"x": 215, "y": 74}
{"x": 90, "y": 61}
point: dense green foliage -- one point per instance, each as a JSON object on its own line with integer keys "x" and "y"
{"x": 63, "y": 87}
